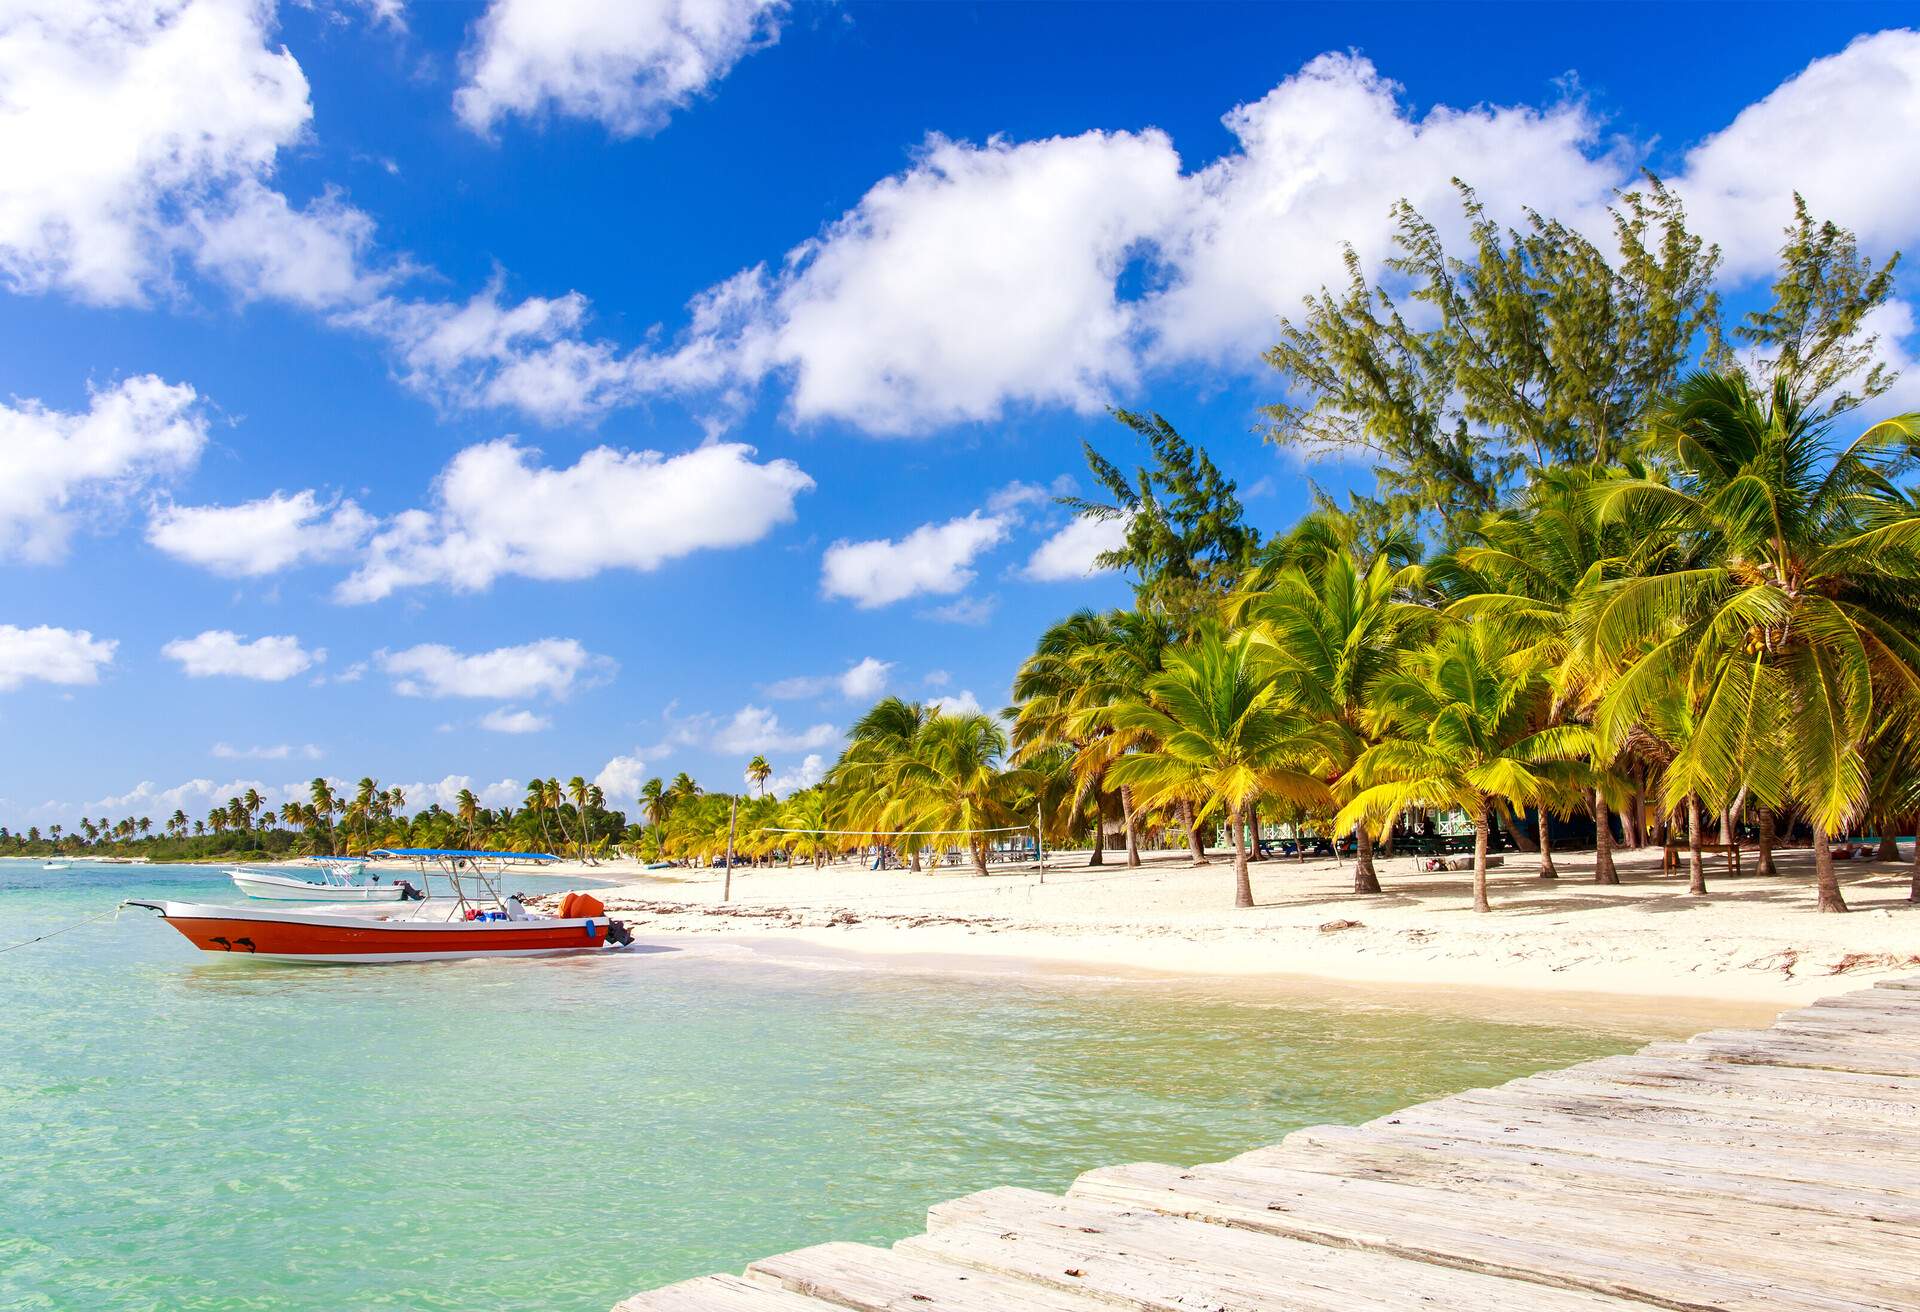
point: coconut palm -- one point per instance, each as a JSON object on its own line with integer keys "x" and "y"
{"x": 1219, "y": 731}
{"x": 577, "y": 792}
{"x": 951, "y": 785}
{"x": 1802, "y": 611}
{"x": 1456, "y": 726}
{"x": 1332, "y": 630}
{"x": 758, "y": 772}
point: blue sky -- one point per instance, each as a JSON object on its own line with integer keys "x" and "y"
{"x": 619, "y": 389}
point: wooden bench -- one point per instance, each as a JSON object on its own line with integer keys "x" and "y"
{"x": 1675, "y": 851}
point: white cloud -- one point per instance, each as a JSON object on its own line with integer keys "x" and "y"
{"x": 938, "y": 679}
{"x": 934, "y": 558}
{"x": 1844, "y": 132}
{"x": 498, "y": 512}
{"x": 50, "y": 655}
{"x": 811, "y": 770}
{"x": 627, "y": 63}
{"x": 962, "y": 610}
{"x": 1070, "y": 553}
{"x": 446, "y": 792}
{"x": 137, "y": 129}
{"x": 260, "y": 537}
{"x": 507, "y": 719}
{"x": 553, "y": 667}
{"x": 865, "y": 678}
{"x": 751, "y": 729}
{"x": 1016, "y": 495}
{"x": 220, "y": 652}
{"x": 196, "y": 797}
{"x": 277, "y": 752}
{"x": 960, "y": 703}
{"x": 620, "y": 779}
{"x": 1321, "y": 159}
{"x": 59, "y": 464}
{"x": 984, "y": 276}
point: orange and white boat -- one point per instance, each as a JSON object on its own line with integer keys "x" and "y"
{"x": 471, "y": 920}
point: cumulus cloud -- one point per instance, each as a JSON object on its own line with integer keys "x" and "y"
{"x": 982, "y": 277}
{"x": 59, "y": 464}
{"x": 196, "y": 797}
{"x": 552, "y": 667}
{"x": 260, "y": 537}
{"x": 627, "y": 63}
{"x": 50, "y": 655}
{"x": 620, "y": 779}
{"x": 1844, "y": 132}
{"x": 137, "y": 129}
{"x": 865, "y": 678}
{"x": 811, "y": 770}
{"x": 960, "y": 703}
{"x": 221, "y": 652}
{"x": 934, "y": 558}
{"x": 508, "y": 719}
{"x": 497, "y": 511}
{"x": 445, "y": 792}
{"x": 276, "y": 752}
{"x": 751, "y": 729}
{"x": 1072, "y": 551}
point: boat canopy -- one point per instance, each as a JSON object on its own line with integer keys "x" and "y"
{"x": 429, "y": 853}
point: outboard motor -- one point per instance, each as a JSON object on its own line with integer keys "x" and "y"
{"x": 618, "y": 935}
{"x": 408, "y": 893}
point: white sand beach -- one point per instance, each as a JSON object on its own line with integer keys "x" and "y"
{"x": 1752, "y": 939}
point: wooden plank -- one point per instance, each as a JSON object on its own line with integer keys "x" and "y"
{"x": 898, "y": 1280}
{"x": 1741, "y": 1078}
{"x": 1729, "y": 1128}
{"x": 1146, "y": 1260}
{"x": 1621, "y": 1184}
{"x": 718, "y": 1294}
{"x": 1643, "y": 1256}
{"x": 1767, "y": 1048}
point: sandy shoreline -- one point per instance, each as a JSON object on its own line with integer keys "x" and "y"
{"x": 1752, "y": 940}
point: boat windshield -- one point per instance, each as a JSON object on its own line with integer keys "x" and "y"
{"x": 472, "y": 877}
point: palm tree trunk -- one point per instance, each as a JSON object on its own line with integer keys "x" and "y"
{"x": 1482, "y": 822}
{"x": 1194, "y": 841}
{"x": 1640, "y": 810}
{"x": 1889, "y": 848}
{"x": 1242, "y": 881}
{"x": 1604, "y": 871}
{"x": 1133, "y": 828}
{"x": 1696, "y": 868}
{"x": 1521, "y": 839}
{"x": 1548, "y": 870}
{"x": 1253, "y": 833}
{"x": 1826, "y": 885}
{"x": 1763, "y": 864}
{"x": 1099, "y": 828}
{"x": 979, "y": 846}
{"x": 1365, "y": 879}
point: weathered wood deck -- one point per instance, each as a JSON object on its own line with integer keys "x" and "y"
{"x": 1775, "y": 1169}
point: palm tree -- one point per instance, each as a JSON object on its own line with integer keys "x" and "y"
{"x": 1333, "y": 630}
{"x": 1802, "y": 610}
{"x": 1455, "y": 727}
{"x": 321, "y": 794}
{"x": 577, "y": 791}
{"x": 1220, "y": 731}
{"x": 536, "y": 806}
{"x": 467, "y": 811}
{"x": 253, "y": 802}
{"x": 951, "y": 784}
{"x": 758, "y": 772}
{"x": 865, "y": 779}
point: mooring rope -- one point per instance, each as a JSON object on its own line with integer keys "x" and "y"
{"x": 56, "y": 933}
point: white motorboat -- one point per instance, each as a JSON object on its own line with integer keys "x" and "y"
{"x": 57, "y": 864}
{"x": 336, "y": 887}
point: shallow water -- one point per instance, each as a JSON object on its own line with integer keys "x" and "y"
{"x": 179, "y": 1132}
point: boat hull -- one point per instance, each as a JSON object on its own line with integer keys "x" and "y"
{"x": 281, "y": 888}
{"x": 345, "y": 939}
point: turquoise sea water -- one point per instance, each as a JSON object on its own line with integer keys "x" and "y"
{"x": 184, "y": 1133}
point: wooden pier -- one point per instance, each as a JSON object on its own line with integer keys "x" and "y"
{"x": 1754, "y": 1169}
